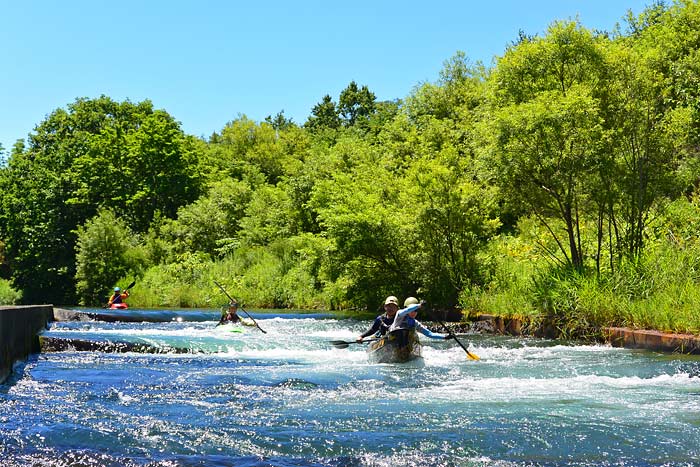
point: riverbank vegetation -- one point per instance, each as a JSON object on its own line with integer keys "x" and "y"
{"x": 559, "y": 184}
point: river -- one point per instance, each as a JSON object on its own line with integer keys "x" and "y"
{"x": 289, "y": 398}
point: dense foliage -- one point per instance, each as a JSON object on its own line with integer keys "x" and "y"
{"x": 560, "y": 183}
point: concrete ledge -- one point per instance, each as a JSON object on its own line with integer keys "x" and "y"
{"x": 653, "y": 340}
{"x": 19, "y": 328}
{"x": 513, "y": 327}
{"x": 60, "y": 344}
{"x": 617, "y": 337}
{"x": 62, "y": 314}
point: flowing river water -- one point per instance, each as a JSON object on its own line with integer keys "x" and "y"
{"x": 289, "y": 398}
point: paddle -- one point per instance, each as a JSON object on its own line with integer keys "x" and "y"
{"x": 133, "y": 283}
{"x": 345, "y": 344}
{"x": 452, "y": 334}
{"x": 247, "y": 314}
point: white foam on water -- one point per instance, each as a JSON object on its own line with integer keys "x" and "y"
{"x": 292, "y": 391}
{"x": 625, "y": 391}
{"x": 319, "y": 356}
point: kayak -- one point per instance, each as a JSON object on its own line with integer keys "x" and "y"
{"x": 118, "y": 306}
{"x": 397, "y": 347}
{"x": 227, "y": 328}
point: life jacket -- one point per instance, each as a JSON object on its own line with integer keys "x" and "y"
{"x": 233, "y": 319}
{"x": 408, "y": 323}
{"x": 385, "y": 324}
{"x": 115, "y": 298}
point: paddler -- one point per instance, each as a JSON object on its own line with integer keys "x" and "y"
{"x": 231, "y": 315}
{"x": 381, "y": 323}
{"x": 406, "y": 320}
{"x": 118, "y": 296}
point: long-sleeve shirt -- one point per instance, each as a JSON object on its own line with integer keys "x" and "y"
{"x": 401, "y": 317}
{"x": 427, "y": 332}
{"x": 380, "y": 325}
{"x": 403, "y": 321}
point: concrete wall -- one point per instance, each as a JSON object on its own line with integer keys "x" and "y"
{"x": 19, "y": 326}
{"x": 653, "y": 340}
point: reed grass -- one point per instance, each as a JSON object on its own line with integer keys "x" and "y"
{"x": 256, "y": 276}
{"x": 660, "y": 290}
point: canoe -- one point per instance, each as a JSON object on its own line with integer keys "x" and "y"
{"x": 118, "y": 306}
{"x": 397, "y": 347}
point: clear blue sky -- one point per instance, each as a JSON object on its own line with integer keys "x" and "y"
{"x": 207, "y": 61}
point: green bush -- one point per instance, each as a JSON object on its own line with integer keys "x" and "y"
{"x": 283, "y": 275}
{"x": 510, "y": 263}
{"x": 8, "y": 295}
{"x": 107, "y": 251}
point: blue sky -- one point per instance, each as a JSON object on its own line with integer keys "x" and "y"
{"x": 207, "y": 61}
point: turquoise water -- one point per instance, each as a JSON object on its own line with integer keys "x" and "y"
{"x": 288, "y": 398}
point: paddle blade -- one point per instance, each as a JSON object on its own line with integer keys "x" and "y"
{"x": 340, "y": 344}
{"x": 472, "y": 356}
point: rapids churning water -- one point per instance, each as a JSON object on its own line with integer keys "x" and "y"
{"x": 288, "y": 398}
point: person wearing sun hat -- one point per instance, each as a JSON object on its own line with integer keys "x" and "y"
{"x": 381, "y": 323}
{"x": 411, "y": 305}
{"x": 410, "y": 321}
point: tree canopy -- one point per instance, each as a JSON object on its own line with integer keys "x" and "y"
{"x": 573, "y": 140}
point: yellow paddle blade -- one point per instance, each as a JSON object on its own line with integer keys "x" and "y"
{"x": 472, "y": 356}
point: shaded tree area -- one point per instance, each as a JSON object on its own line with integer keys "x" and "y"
{"x": 96, "y": 153}
{"x": 569, "y": 148}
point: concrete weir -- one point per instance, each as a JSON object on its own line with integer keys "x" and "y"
{"x": 615, "y": 336}
{"x": 653, "y": 340}
{"x": 19, "y": 329}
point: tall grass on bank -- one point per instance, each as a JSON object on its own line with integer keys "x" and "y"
{"x": 511, "y": 264}
{"x": 663, "y": 290}
{"x": 281, "y": 277}
{"x": 660, "y": 290}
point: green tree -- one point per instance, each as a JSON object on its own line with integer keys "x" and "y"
{"x": 545, "y": 129}
{"x": 455, "y": 218}
{"x": 35, "y": 223}
{"x": 667, "y": 37}
{"x": 279, "y": 121}
{"x": 210, "y": 222}
{"x": 267, "y": 217}
{"x": 246, "y": 150}
{"x": 106, "y": 251}
{"x": 96, "y": 153}
{"x": 356, "y": 104}
{"x": 645, "y": 149}
{"x": 323, "y": 116}
{"x": 372, "y": 233}
{"x": 8, "y": 295}
{"x": 160, "y": 173}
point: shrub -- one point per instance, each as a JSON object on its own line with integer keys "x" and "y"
{"x": 8, "y": 295}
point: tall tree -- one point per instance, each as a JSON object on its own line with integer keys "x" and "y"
{"x": 279, "y": 121}
{"x": 644, "y": 148}
{"x": 455, "y": 218}
{"x": 546, "y": 127}
{"x": 104, "y": 254}
{"x": 96, "y": 153}
{"x": 356, "y": 104}
{"x": 324, "y": 115}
